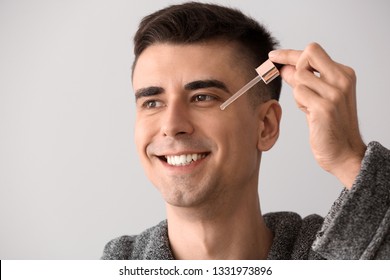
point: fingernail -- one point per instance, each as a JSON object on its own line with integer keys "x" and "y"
{"x": 273, "y": 54}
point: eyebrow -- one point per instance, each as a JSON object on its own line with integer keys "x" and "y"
{"x": 149, "y": 91}
{"x": 200, "y": 84}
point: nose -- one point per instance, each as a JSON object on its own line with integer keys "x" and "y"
{"x": 176, "y": 120}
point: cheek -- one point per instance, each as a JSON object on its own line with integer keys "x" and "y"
{"x": 234, "y": 133}
{"x": 241, "y": 139}
{"x": 241, "y": 125}
{"x": 142, "y": 136}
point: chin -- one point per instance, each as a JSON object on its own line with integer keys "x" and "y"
{"x": 184, "y": 196}
{"x": 184, "y": 191}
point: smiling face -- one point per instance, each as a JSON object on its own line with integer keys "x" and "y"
{"x": 193, "y": 152}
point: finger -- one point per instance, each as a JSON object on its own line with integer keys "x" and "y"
{"x": 344, "y": 77}
{"x": 336, "y": 74}
{"x": 316, "y": 84}
{"x": 287, "y": 73}
{"x": 307, "y": 100}
{"x": 339, "y": 83}
{"x": 306, "y": 78}
{"x": 315, "y": 57}
{"x": 286, "y": 57}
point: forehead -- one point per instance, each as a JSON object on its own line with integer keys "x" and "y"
{"x": 187, "y": 61}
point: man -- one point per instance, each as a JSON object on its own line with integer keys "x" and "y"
{"x": 189, "y": 59}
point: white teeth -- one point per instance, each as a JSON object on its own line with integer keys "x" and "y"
{"x": 183, "y": 159}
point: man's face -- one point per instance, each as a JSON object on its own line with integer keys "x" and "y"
{"x": 193, "y": 152}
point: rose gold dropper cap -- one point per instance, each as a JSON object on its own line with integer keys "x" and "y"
{"x": 267, "y": 72}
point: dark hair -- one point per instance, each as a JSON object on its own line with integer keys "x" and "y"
{"x": 194, "y": 22}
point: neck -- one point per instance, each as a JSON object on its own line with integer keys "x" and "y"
{"x": 228, "y": 230}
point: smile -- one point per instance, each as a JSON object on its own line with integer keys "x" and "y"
{"x": 185, "y": 159}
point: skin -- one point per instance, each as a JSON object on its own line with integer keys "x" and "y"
{"x": 218, "y": 193}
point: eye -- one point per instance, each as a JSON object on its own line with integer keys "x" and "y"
{"x": 203, "y": 98}
{"x": 149, "y": 104}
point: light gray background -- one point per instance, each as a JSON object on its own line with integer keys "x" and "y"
{"x": 70, "y": 179}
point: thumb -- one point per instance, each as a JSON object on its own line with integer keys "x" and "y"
{"x": 287, "y": 73}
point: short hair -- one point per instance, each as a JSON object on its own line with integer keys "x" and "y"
{"x": 194, "y": 22}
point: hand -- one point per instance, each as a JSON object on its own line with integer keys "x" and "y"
{"x": 326, "y": 91}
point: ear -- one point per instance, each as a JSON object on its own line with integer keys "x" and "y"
{"x": 269, "y": 114}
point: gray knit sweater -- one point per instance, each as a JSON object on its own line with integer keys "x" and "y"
{"x": 356, "y": 227}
